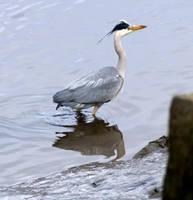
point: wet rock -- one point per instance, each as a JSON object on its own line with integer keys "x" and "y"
{"x": 178, "y": 180}
{"x": 156, "y": 145}
{"x": 96, "y": 183}
{"x": 155, "y": 193}
{"x": 130, "y": 179}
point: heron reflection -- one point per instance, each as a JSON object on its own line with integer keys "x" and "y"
{"x": 92, "y": 138}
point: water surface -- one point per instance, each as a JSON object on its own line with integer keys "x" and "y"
{"x": 47, "y": 44}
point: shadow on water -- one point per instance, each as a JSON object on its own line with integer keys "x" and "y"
{"x": 92, "y": 138}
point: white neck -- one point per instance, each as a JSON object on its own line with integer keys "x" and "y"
{"x": 121, "y": 65}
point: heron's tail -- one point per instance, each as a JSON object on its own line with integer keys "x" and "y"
{"x": 62, "y": 98}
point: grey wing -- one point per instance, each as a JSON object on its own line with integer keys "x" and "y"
{"x": 100, "y": 87}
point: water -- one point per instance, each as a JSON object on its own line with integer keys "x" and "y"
{"x": 47, "y": 44}
{"x": 133, "y": 180}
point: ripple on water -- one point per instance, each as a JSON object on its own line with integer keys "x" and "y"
{"x": 43, "y": 47}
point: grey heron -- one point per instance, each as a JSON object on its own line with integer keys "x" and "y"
{"x": 95, "y": 89}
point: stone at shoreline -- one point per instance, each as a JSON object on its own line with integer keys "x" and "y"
{"x": 156, "y": 145}
{"x": 179, "y": 176}
{"x": 155, "y": 193}
{"x": 131, "y": 179}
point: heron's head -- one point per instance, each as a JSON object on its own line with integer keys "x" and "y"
{"x": 124, "y": 28}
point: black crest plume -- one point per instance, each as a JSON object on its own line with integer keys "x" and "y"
{"x": 120, "y": 26}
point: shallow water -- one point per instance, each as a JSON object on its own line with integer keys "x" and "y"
{"x": 136, "y": 180}
{"x": 47, "y": 44}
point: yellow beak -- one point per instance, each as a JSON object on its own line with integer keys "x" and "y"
{"x": 135, "y": 28}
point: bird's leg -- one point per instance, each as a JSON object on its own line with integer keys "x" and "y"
{"x": 96, "y": 107}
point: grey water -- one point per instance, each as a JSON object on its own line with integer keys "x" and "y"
{"x": 47, "y": 44}
{"x": 132, "y": 179}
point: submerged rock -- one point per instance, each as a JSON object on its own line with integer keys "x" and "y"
{"x": 132, "y": 179}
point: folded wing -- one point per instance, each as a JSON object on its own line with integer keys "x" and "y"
{"x": 94, "y": 88}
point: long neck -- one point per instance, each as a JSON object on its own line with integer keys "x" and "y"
{"x": 121, "y": 65}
